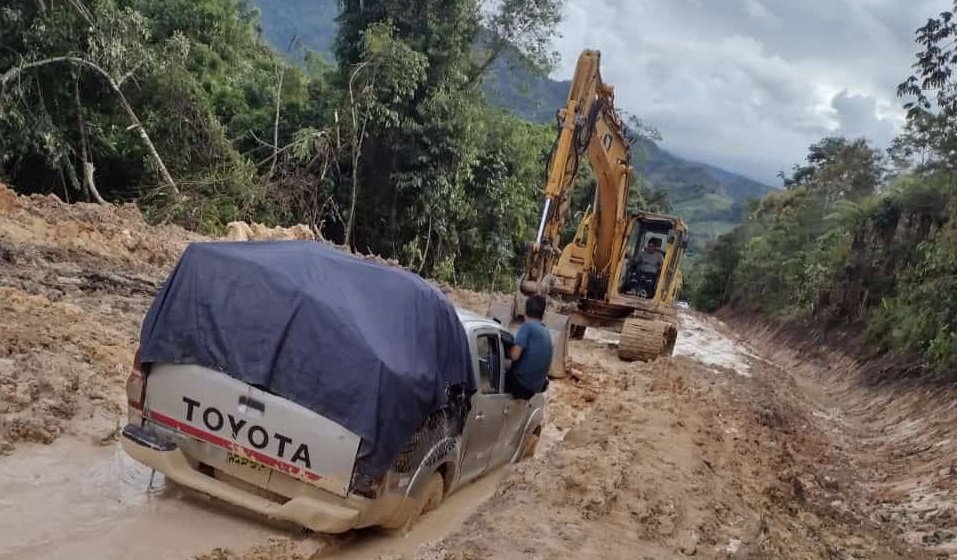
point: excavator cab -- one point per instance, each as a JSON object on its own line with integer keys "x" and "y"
{"x": 652, "y": 251}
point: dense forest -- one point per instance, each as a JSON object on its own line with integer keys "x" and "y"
{"x": 862, "y": 239}
{"x": 392, "y": 148}
{"x": 183, "y": 106}
{"x": 710, "y": 199}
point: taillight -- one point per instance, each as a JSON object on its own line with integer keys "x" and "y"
{"x": 367, "y": 486}
{"x": 136, "y": 384}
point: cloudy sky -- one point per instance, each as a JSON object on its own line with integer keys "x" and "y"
{"x": 749, "y": 84}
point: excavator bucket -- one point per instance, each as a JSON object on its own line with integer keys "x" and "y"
{"x": 558, "y": 326}
{"x": 503, "y": 313}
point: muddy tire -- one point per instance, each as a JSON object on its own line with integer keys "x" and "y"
{"x": 531, "y": 444}
{"x": 427, "y": 499}
{"x": 645, "y": 340}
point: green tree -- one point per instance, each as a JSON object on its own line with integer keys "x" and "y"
{"x": 429, "y": 173}
{"x": 931, "y": 96}
{"x": 527, "y": 26}
{"x": 839, "y": 169}
{"x": 102, "y": 48}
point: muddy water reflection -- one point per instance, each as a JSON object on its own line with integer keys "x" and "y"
{"x": 73, "y": 500}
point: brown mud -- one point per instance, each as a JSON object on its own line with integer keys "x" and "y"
{"x": 75, "y": 281}
{"x": 746, "y": 444}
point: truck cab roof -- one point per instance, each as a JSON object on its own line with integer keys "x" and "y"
{"x": 469, "y": 318}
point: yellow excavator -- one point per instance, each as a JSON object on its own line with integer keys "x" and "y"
{"x": 620, "y": 272}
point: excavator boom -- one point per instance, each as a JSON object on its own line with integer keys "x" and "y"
{"x": 589, "y": 125}
{"x": 597, "y": 276}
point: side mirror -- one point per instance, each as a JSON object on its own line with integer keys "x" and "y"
{"x": 684, "y": 243}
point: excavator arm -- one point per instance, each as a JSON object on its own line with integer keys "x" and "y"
{"x": 587, "y": 271}
{"x": 589, "y": 125}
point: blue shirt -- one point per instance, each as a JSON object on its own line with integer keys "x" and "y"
{"x": 531, "y": 369}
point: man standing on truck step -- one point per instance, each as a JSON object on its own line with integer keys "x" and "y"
{"x": 531, "y": 354}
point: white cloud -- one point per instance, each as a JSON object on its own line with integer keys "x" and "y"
{"x": 759, "y": 13}
{"x": 749, "y": 84}
{"x": 857, "y": 116}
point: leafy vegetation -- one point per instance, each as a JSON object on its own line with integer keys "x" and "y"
{"x": 859, "y": 237}
{"x": 182, "y": 106}
{"x": 710, "y": 199}
{"x": 393, "y": 149}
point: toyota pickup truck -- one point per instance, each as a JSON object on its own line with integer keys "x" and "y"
{"x": 258, "y": 444}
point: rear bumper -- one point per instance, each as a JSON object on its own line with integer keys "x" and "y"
{"x": 163, "y": 455}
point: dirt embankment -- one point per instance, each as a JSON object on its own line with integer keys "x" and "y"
{"x": 900, "y": 433}
{"x": 737, "y": 451}
{"x": 75, "y": 281}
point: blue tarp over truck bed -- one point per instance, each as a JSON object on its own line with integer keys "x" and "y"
{"x": 373, "y": 348}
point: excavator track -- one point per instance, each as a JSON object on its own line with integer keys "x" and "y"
{"x": 647, "y": 339}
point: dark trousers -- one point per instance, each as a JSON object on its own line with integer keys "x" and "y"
{"x": 514, "y": 387}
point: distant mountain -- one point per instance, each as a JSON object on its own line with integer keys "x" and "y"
{"x": 511, "y": 85}
{"x": 712, "y": 200}
{"x": 311, "y": 23}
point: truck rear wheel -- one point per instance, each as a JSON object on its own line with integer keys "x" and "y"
{"x": 646, "y": 339}
{"x": 531, "y": 444}
{"x": 426, "y": 499}
{"x": 432, "y": 494}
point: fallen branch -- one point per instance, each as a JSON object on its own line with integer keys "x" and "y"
{"x": 135, "y": 123}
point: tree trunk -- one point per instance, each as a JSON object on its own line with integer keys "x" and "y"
{"x": 85, "y": 153}
{"x": 428, "y": 242}
{"x": 275, "y": 129}
{"x": 138, "y": 126}
{"x": 358, "y": 135}
{"x": 134, "y": 120}
{"x": 67, "y": 166}
{"x": 88, "y": 178}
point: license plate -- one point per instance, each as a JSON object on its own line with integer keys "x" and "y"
{"x": 241, "y": 461}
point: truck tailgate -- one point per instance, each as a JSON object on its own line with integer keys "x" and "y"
{"x": 227, "y": 413}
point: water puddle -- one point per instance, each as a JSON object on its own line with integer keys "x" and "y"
{"x": 698, "y": 340}
{"x": 73, "y": 500}
{"x": 701, "y": 341}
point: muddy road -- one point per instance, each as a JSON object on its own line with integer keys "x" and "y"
{"x": 715, "y": 453}
{"x": 73, "y": 500}
{"x": 745, "y": 444}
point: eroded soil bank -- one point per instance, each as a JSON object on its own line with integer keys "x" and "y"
{"x": 716, "y": 454}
